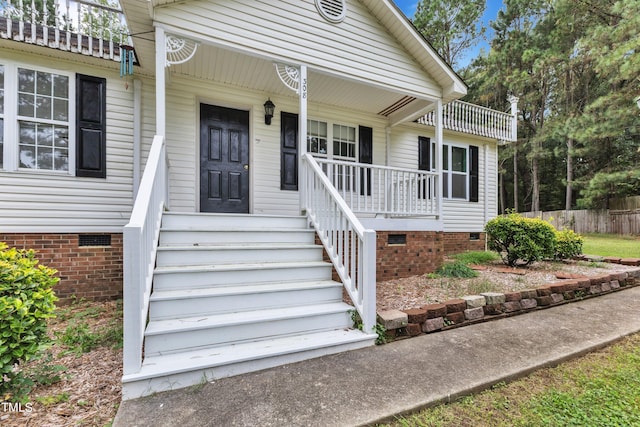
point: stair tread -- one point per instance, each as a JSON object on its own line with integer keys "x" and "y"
{"x": 154, "y": 366}
{"x": 161, "y": 295}
{"x": 238, "y": 229}
{"x": 236, "y": 246}
{"x": 231, "y": 215}
{"x": 159, "y": 327}
{"x": 238, "y": 266}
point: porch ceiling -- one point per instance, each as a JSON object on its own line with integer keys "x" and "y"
{"x": 255, "y": 73}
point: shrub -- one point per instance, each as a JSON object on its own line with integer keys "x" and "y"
{"x": 568, "y": 244}
{"x": 520, "y": 240}
{"x": 456, "y": 269}
{"x": 26, "y": 302}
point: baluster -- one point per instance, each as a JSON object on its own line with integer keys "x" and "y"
{"x": 45, "y": 24}
{"x": 33, "y": 21}
{"x": 101, "y": 20}
{"x": 90, "y": 35}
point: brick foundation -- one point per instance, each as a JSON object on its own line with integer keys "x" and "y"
{"x": 422, "y": 253}
{"x": 455, "y": 243}
{"x": 90, "y": 272}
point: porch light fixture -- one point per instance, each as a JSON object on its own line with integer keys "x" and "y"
{"x": 269, "y": 107}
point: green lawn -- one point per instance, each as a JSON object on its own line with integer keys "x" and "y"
{"x": 597, "y": 390}
{"x": 611, "y": 245}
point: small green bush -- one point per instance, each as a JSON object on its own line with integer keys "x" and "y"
{"x": 26, "y": 302}
{"x": 520, "y": 240}
{"x": 456, "y": 269}
{"x": 568, "y": 244}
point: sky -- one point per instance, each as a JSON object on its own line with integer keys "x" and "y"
{"x": 490, "y": 14}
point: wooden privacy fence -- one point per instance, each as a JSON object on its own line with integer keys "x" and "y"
{"x": 623, "y": 222}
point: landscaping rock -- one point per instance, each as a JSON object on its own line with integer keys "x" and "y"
{"x": 492, "y": 309}
{"x": 630, "y": 261}
{"x": 455, "y": 318}
{"x": 512, "y": 296}
{"x": 528, "y": 303}
{"x": 595, "y": 289}
{"x": 606, "y": 286}
{"x": 432, "y": 325}
{"x": 614, "y": 284}
{"x": 584, "y": 283}
{"x": 612, "y": 259}
{"x": 474, "y": 313}
{"x": 544, "y": 301}
{"x": 511, "y": 306}
{"x": 457, "y": 305}
{"x": 569, "y": 295}
{"x": 493, "y": 297}
{"x": 530, "y": 293}
{"x": 413, "y": 329}
{"x": 435, "y": 310}
{"x": 556, "y": 298}
{"x": 474, "y": 301}
{"x": 416, "y": 315}
{"x": 544, "y": 291}
{"x": 393, "y": 319}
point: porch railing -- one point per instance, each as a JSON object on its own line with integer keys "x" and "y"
{"x": 140, "y": 245}
{"x": 373, "y": 189}
{"x": 474, "y": 119}
{"x": 351, "y": 248}
{"x": 95, "y": 28}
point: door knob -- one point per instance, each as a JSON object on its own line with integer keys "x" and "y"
{"x": 246, "y": 167}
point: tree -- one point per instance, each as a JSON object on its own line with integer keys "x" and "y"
{"x": 451, "y": 26}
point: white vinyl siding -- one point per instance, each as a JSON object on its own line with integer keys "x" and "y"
{"x": 359, "y": 48}
{"x": 40, "y": 201}
{"x": 184, "y": 96}
{"x": 458, "y": 215}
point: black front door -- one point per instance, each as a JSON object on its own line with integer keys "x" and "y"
{"x": 224, "y": 159}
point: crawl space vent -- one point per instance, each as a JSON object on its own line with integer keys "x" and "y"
{"x": 94, "y": 240}
{"x": 332, "y": 10}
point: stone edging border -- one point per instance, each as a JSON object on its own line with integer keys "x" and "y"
{"x": 488, "y": 306}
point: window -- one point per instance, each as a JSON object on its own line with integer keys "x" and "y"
{"x": 38, "y": 131}
{"x": 455, "y": 174}
{"x": 342, "y": 147}
{"x": 460, "y": 172}
{"x": 43, "y": 120}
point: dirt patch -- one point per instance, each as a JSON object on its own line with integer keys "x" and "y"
{"x": 416, "y": 291}
{"x": 89, "y": 390}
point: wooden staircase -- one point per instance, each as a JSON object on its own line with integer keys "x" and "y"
{"x": 238, "y": 293}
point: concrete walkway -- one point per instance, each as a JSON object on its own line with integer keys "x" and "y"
{"x": 374, "y": 384}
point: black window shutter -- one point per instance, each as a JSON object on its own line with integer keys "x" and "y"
{"x": 365, "y": 155}
{"x": 424, "y": 164}
{"x": 424, "y": 153}
{"x": 288, "y": 151}
{"x": 473, "y": 173}
{"x": 91, "y": 126}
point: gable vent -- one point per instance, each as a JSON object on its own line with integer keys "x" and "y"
{"x": 332, "y": 10}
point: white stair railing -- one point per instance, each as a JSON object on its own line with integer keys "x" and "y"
{"x": 474, "y": 119}
{"x": 140, "y": 246}
{"x": 350, "y": 247}
{"x": 95, "y": 28}
{"x": 384, "y": 190}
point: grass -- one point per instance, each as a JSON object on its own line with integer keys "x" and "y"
{"x": 611, "y": 245}
{"x": 599, "y": 389}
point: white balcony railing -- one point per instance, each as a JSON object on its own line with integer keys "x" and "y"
{"x": 140, "y": 246}
{"x": 96, "y": 28}
{"x": 383, "y": 190}
{"x": 351, "y": 248}
{"x": 474, "y": 119}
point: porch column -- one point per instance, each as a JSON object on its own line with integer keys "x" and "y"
{"x": 161, "y": 62}
{"x": 514, "y": 120}
{"x": 439, "y": 154}
{"x": 302, "y": 134}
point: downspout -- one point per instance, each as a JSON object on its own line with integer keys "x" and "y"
{"x": 137, "y": 134}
